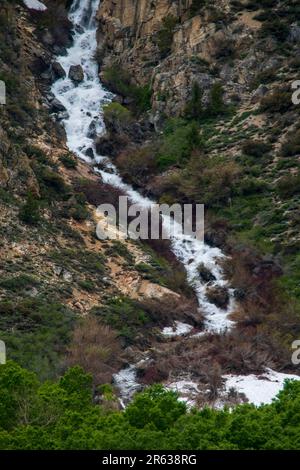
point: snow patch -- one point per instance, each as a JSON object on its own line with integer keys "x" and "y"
{"x": 259, "y": 389}
{"x": 187, "y": 390}
{"x": 35, "y": 5}
{"x": 179, "y": 329}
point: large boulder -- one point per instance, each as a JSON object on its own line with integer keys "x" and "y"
{"x": 58, "y": 71}
{"x": 205, "y": 274}
{"x": 76, "y": 73}
{"x": 259, "y": 93}
{"x": 92, "y": 130}
{"x": 57, "y": 106}
{"x": 218, "y": 296}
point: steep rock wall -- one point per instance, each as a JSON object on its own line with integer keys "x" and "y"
{"x": 215, "y": 45}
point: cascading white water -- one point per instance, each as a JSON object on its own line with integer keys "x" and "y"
{"x": 83, "y": 104}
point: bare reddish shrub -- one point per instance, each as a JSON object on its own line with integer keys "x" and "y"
{"x": 137, "y": 165}
{"x": 153, "y": 374}
{"x": 96, "y": 349}
{"x": 169, "y": 308}
{"x": 177, "y": 280}
{"x": 97, "y": 192}
{"x": 253, "y": 277}
{"x": 212, "y": 356}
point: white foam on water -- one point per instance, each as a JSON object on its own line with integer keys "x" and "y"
{"x": 126, "y": 382}
{"x": 191, "y": 252}
{"x": 83, "y": 102}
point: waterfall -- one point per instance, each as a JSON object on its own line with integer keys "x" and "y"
{"x": 84, "y": 104}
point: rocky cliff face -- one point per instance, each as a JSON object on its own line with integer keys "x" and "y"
{"x": 218, "y": 43}
{"x": 239, "y": 54}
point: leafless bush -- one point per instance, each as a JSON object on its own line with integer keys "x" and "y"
{"x": 96, "y": 349}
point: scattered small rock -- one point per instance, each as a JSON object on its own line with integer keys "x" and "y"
{"x": 67, "y": 276}
{"x": 57, "y": 270}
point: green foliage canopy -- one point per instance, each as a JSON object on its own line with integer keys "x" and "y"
{"x": 62, "y": 415}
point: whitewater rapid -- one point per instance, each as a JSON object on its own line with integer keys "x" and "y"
{"x": 84, "y": 104}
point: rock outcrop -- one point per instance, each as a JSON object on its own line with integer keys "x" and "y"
{"x": 171, "y": 45}
{"x": 130, "y": 35}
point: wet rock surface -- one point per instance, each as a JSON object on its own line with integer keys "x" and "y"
{"x": 76, "y": 73}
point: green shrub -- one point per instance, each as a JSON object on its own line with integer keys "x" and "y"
{"x": 289, "y": 186}
{"x": 165, "y": 35}
{"x": 137, "y": 165}
{"x": 216, "y": 105}
{"x": 123, "y": 315}
{"x": 209, "y": 181}
{"x": 36, "y": 153}
{"x": 275, "y": 27}
{"x": 179, "y": 140}
{"x": 193, "y": 109}
{"x": 83, "y": 260}
{"x": 29, "y": 212}
{"x": 116, "y": 113}
{"x": 36, "y": 332}
{"x": 53, "y": 181}
{"x": 78, "y": 212}
{"x": 250, "y": 185}
{"x": 18, "y": 283}
{"x": 89, "y": 286}
{"x": 119, "y": 249}
{"x": 256, "y": 148}
{"x": 197, "y": 6}
{"x": 264, "y": 77}
{"x": 120, "y": 82}
{"x": 291, "y": 146}
{"x": 277, "y": 102}
{"x": 142, "y": 96}
{"x": 68, "y": 161}
{"x": 6, "y": 196}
